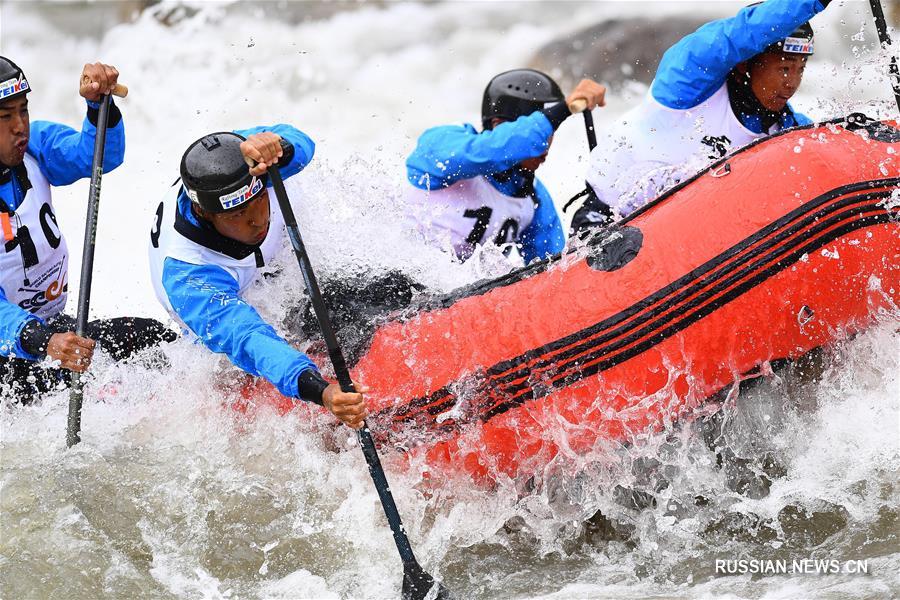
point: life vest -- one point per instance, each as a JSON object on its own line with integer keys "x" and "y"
{"x": 654, "y": 147}
{"x": 174, "y": 237}
{"x": 34, "y": 257}
{"x": 468, "y": 213}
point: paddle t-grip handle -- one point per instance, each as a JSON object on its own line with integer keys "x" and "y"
{"x": 287, "y": 154}
{"x": 577, "y": 105}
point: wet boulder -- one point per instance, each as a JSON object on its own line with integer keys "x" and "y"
{"x": 810, "y": 526}
{"x": 741, "y": 527}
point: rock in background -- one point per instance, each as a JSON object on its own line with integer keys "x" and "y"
{"x": 617, "y": 51}
{"x": 614, "y": 51}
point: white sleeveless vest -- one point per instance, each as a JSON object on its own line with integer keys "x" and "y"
{"x": 467, "y": 213}
{"x": 34, "y": 261}
{"x": 167, "y": 242}
{"x": 653, "y": 147}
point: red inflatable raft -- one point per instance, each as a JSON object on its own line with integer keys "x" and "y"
{"x": 788, "y": 244}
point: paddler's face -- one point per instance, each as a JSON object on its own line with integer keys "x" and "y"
{"x": 249, "y": 224}
{"x": 775, "y": 78}
{"x": 14, "y": 127}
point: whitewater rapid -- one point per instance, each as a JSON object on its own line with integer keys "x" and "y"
{"x": 169, "y": 496}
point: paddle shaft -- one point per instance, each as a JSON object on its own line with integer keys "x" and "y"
{"x": 340, "y": 369}
{"x": 76, "y": 393}
{"x": 589, "y": 129}
{"x": 579, "y": 105}
{"x": 885, "y": 40}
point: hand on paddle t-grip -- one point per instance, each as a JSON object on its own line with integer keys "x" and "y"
{"x": 72, "y": 351}
{"x": 261, "y": 150}
{"x": 98, "y": 80}
{"x": 349, "y": 407}
{"x": 587, "y": 95}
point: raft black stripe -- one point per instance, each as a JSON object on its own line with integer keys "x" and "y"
{"x": 567, "y": 379}
{"x": 585, "y": 372}
{"x": 687, "y": 284}
{"x": 664, "y": 293}
{"x": 734, "y": 274}
{"x": 718, "y": 288}
{"x": 572, "y": 371}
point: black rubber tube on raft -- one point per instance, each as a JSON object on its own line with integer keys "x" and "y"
{"x": 76, "y": 393}
{"x": 416, "y": 582}
{"x": 885, "y": 41}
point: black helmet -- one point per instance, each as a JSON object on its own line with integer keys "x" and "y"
{"x": 519, "y": 92}
{"x": 12, "y": 80}
{"x": 800, "y": 41}
{"x": 215, "y": 175}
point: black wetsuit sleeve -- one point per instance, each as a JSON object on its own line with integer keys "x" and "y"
{"x": 35, "y": 337}
{"x": 112, "y": 118}
{"x": 311, "y": 385}
{"x": 556, "y": 114}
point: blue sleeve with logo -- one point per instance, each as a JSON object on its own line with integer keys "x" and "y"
{"x": 12, "y": 320}
{"x": 304, "y": 147}
{"x": 544, "y": 236}
{"x": 693, "y": 69}
{"x": 65, "y": 155}
{"x": 451, "y": 153}
{"x": 206, "y": 298}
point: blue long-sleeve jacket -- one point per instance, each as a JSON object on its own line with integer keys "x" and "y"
{"x": 207, "y": 298}
{"x": 693, "y": 69}
{"x": 447, "y": 154}
{"x": 64, "y": 156}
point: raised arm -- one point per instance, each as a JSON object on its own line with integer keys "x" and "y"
{"x": 693, "y": 69}
{"x": 304, "y": 147}
{"x": 65, "y": 155}
{"x": 447, "y": 154}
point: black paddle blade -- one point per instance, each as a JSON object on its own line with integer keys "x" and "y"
{"x": 417, "y": 584}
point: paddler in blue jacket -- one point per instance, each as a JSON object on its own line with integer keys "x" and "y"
{"x": 33, "y": 254}
{"x": 212, "y": 232}
{"x": 471, "y": 187}
{"x": 716, "y": 90}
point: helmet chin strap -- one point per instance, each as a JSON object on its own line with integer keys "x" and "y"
{"x": 746, "y": 105}
{"x": 525, "y": 177}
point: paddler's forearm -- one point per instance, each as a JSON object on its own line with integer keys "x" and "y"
{"x": 206, "y": 299}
